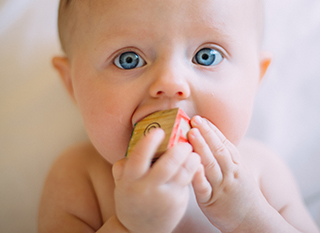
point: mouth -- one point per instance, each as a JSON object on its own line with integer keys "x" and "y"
{"x": 142, "y": 111}
{"x": 136, "y": 121}
{"x": 141, "y": 118}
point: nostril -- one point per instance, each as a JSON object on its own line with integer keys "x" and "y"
{"x": 179, "y": 93}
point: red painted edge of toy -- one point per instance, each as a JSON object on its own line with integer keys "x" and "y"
{"x": 181, "y": 114}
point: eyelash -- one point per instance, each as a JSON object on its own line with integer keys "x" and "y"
{"x": 132, "y": 58}
{"x": 215, "y": 53}
{"x": 202, "y": 57}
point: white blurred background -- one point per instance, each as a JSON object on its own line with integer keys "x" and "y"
{"x": 38, "y": 120}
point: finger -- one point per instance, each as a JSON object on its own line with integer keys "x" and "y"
{"x": 212, "y": 168}
{"x": 117, "y": 169}
{"x": 201, "y": 186}
{"x": 216, "y": 145}
{"x": 139, "y": 160}
{"x": 233, "y": 151}
{"x": 169, "y": 163}
{"x": 185, "y": 174}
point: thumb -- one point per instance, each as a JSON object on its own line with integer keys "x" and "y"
{"x": 201, "y": 186}
{"x": 117, "y": 169}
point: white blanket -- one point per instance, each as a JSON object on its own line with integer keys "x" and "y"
{"x": 38, "y": 121}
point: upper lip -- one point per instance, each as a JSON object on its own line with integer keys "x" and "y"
{"x": 140, "y": 113}
{"x": 145, "y": 115}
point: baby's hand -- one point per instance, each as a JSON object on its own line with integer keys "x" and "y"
{"x": 225, "y": 190}
{"x": 154, "y": 199}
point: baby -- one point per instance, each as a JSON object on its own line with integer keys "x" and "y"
{"x": 127, "y": 59}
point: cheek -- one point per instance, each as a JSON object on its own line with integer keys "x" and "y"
{"x": 109, "y": 131}
{"x": 230, "y": 110}
{"x": 107, "y": 118}
{"x": 235, "y": 121}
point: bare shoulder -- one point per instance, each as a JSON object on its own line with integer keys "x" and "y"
{"x": 277, "y": 184}
{"x": 273, "y": 175}
{"x": 255, "y": 150}
{"x": 72, "y": 191}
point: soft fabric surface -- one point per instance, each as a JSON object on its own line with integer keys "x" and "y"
{"x": 38, "y": 121}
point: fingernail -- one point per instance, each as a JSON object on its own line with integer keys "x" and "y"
{"x": 197, "y": 120}
{"x": 195, "y": 133}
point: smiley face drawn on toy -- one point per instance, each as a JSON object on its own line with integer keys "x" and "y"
{"x": 150, "y": 127}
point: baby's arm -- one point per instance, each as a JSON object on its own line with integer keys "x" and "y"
{"x": 69, "y": 201}
{"x": 281, "y": 191}
{"x": 229, "y": 195}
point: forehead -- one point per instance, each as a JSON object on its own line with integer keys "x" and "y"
{"x": 226, "y": 19}
{"x": 159, "y": 11}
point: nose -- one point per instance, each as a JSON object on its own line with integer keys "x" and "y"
{"x": 170, "y": 82}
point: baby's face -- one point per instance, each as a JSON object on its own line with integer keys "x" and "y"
{"x": 131, "y": 58}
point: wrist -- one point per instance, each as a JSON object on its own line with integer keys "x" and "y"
{"x": 255, "y": 217}
{"x": 262, "y": 217}
{"x": 113, "y": 225}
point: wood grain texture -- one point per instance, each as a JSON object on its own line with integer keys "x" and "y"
{"x": 174, "y": 122}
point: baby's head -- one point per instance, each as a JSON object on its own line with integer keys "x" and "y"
{"x": 127, "y": 59}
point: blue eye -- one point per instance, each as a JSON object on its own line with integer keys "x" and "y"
{"x": 208, "y": 57}
{"x": 129, "y": 60}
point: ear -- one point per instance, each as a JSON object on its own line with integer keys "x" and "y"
{"x": 62, "y": 65}
{"x": 265, "y": 60}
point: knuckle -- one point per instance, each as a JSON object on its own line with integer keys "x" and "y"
{"x": 231, "y": 175}
{"x": 189, "y": 148}
{"x": 202, "y": 145}
{"x": 225, "y": 141}
{"x": 136, "y": 157}
{"x": 220, "y": 148}
{"x": 205, "y": 190}
{"x": 214, "y": 128}
{"x": 211, "y": 165}
{"x": 236, "y": 175}
{"x": 177, "y": 155}
{"x": 206, "y": 130}
{"x": 192, "y": 163}
{"x": 197, "y": 160}
{"x": 182, "y": 147}
{"x": 172, "y": 162}
{"x": 188, "y": 171}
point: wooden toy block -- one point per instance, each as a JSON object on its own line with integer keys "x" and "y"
{"x": 174, "y": 122}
